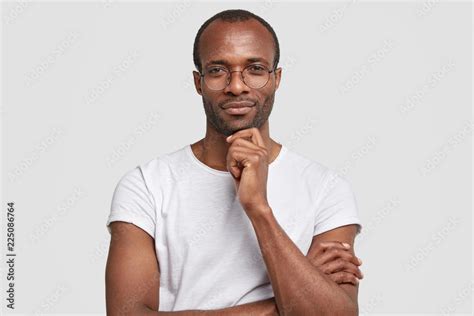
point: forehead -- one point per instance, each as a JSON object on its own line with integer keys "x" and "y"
{"x": 236, "y": 42}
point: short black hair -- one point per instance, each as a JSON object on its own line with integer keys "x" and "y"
{"x": 231, "y": 16}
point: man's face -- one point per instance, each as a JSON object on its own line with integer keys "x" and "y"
{"x": 235, "y": 46}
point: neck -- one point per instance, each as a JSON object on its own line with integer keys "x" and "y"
{"x": 212, "y": 149}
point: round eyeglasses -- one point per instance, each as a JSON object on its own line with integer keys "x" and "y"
{"x": 254, "y": 76}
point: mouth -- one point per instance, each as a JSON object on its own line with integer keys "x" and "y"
{"x": 238, "y": 108}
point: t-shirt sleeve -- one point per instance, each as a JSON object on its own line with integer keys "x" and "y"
{"x": 337, "y": 207}
{"x": 132, "y": 202}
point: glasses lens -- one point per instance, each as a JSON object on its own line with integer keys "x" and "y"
{"x": 216, "y": 78}
{"x": 256, "y": 76}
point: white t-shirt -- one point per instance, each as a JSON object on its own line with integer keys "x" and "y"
{"x": 206, "y": 246}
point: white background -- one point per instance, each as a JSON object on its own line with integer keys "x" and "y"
{"x": 379, "y": 91}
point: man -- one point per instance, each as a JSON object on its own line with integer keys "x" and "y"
{"x": 233, "y": 225}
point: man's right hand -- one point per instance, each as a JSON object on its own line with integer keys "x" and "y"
{"x": 334, "y": 259}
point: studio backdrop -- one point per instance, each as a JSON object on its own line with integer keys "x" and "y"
{"x": 379, "y": 91}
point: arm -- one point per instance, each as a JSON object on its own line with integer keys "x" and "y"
{"x": 260, "y": 308}
{"x": 133, "y": 277}
{"x": 346, "y": 261}
{"x": 300, "y": 288}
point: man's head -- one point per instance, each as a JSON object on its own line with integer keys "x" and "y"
{"x": 233, "y": 40}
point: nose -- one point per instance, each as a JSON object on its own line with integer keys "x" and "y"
{"x": 236, "y": 85}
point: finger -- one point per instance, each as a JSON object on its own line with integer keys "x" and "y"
{"x": 238, "y": 159}
{"x": 335, "y": 244}
{"x": 334, "y": 253}
{"x": 242, "y": 142}
{"x": 344, "y": 277}
{"x": 323, "y": 245}
{"x": 331, "y": 254}
{"x": 339, "y": 244}
{"x": 253, "y": 133}
{"x": 341, "y": 265}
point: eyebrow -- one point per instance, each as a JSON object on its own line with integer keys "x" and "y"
{"x": 226, "y": 63}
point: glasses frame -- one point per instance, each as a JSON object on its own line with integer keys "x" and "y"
{"x": 229, "y": 75}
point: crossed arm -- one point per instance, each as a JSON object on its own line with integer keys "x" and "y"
{"x": 300, "y": 287}
{"x": 325, "y": 281}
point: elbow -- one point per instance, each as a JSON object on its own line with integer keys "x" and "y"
{"x": 144, "y": 309}
{"x": 127, "y": 310}
{"x": 346, "y": 308}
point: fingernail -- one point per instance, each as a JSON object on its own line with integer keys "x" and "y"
{"x": 361, "y": 274}
{"x": 228, "y": 137}
{"x": 360, "y": 261}
{"x": 346, "y": 245}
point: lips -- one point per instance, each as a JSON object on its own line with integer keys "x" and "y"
{"x": 238, "y": 107}
{"x": 238, "y": 111}
{"x": 240, "y": 104}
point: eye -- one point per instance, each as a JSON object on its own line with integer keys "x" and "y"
{"x": 216, "y": 70}
{"x": 256, "y": 68}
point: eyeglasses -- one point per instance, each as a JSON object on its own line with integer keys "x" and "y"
{"x": 254, "y": 76}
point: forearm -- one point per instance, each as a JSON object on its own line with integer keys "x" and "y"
{"x": 260, "y": 308}
{"x": 299, "y": 287}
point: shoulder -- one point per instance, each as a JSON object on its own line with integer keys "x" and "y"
{"x": 159, "y": 169}
{"x": 308, "y": 168}
{"x": 146, "y": 181}
{"x": 324, "y": 179}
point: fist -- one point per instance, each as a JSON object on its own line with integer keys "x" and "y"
{"x": 247, "y": 161}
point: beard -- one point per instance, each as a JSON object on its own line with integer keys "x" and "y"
{"x": 228, "y": 126}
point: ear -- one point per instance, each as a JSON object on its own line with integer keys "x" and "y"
{"x": 277, "y": 77}
{"x": 197, "y": 81}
